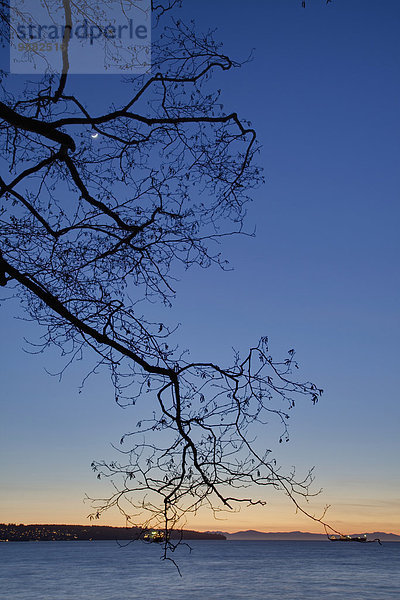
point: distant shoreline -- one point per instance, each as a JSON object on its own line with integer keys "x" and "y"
{"x": 57, "y": 532}
{"x": 60, "y": 532}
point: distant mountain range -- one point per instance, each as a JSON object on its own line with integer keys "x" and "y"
{"x": 300, "y": 535}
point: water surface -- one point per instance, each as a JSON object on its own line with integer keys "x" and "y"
{"x": 214, "y": 570}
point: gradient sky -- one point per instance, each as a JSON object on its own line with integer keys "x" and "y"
{"x": 321, "y": 276}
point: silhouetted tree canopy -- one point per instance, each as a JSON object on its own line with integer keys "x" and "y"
{"x": 92, "y": 231}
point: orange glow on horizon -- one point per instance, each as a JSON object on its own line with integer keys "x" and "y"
{"x": 346, "y": 515}
{"x": 264, "y": 521}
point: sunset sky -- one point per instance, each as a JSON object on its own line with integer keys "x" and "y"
{"x": 321, "y": 276}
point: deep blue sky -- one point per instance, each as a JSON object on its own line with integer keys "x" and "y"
{"x": 321, "y": 275}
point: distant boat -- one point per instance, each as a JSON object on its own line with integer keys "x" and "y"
{"x": 154, "y": 536}
{"x": 352, "y": 538}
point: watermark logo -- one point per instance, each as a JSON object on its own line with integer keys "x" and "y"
{"x": 61, "y": 36}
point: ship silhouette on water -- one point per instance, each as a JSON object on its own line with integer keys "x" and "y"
{"x": 353, "y": 538}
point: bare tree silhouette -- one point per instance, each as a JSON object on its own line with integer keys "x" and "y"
{"x": 90, "y": 231}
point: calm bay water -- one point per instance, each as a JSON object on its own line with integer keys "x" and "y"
{"x": 231, "y": 570}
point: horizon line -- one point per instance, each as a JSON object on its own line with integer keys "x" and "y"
{"x": 187, "y": 529}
